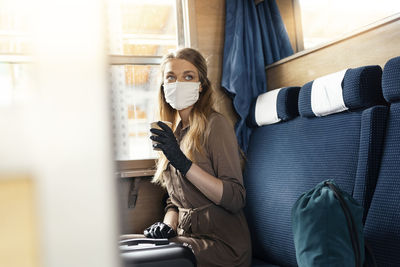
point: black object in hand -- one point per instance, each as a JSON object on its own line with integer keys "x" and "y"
{"x": 167, "y": 142}
{"x": 159, "y": 230}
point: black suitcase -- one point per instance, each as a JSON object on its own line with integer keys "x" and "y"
{"x": 148, "y": 252}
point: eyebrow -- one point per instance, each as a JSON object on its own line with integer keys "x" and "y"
{"x": 188, "y": 71}
{"x": 185, "y": 72}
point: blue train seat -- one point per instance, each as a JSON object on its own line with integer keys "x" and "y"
{"x": 382, "y": 226}
{"x": 289, "y": 155}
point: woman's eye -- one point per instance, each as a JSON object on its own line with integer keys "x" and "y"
{"x": 170, "y": 78}
{"x": 188, "y": 77}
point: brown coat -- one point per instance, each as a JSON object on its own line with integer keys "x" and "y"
{"x": 218, "y": 234}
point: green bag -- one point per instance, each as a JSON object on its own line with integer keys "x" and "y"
{"x": 327, "y": 228}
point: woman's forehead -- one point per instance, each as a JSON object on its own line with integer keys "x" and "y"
{"x": 177, "y": 65}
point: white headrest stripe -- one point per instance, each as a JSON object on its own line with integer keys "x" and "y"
{"x": 327, "y": 94}
{"x": 265, "y": 110}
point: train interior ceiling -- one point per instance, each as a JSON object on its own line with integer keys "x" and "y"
{"x": 78, "y": 91}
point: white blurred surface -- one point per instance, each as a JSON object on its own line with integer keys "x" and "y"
{"x": 61, "y": 135}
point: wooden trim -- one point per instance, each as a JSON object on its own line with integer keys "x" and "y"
{"x": 19, "y": 215}
{"x": 298, "y": 26}
{"x": 127, "y": 165}
{"x": 135, "y": 168}
{"x": 180, "y": 22}
{"x": 189, "y": 20}
{"x": 134, "y": 60}
{"x": 373, "y": 45}
{"x": 136, "y": 173}
{"x": 353, "y": 34}
{"x": 15, "y": 58}
{"x": 288, "y": 15}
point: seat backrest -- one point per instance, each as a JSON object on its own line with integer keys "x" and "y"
{"x": 382, "y": 226}
{"x": 288, "y": 158}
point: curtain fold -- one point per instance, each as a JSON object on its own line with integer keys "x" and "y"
{"x": 255, "y": 36}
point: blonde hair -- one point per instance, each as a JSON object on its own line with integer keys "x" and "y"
{"x": 195, "y": 138}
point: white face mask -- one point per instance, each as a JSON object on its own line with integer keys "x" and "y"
{"x": 181, "y": 95}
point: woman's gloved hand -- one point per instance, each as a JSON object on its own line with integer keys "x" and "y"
{"x": 168, "y": 144}
{"x": 159, "y": 230}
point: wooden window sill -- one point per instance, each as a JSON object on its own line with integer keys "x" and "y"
{"x": 136, "y": 173}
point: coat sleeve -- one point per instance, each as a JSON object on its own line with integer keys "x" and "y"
{"x": 223, "y": 151}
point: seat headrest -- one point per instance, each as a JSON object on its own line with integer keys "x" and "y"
{"x": 391, "y": 80}
{"x": 348, "y": 89}
{"x": 274, "y": 106}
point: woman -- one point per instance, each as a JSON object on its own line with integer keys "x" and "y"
{"x": 199, "y": 166}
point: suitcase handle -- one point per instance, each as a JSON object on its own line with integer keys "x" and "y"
{"x": 137, "y": 241}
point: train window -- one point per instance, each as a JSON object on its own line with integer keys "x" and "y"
{"x": 14, "y": 83}
{"x": 15, "y": 44}
{"x": 14, "y": 28}
{"x": 140, "y": 32}
{"x": 134, "y": 91}
{"x": 324, "y": 21}
{"x": 142, "y": 28}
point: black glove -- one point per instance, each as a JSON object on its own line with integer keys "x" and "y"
{"x": 167, "y": 143}
{"x": 159, "y": 230}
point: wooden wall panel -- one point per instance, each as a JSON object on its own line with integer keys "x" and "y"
{"x": 210, "y": 31}
{"x": 148, "y": 207}
{"x": 18, "y": 229}
{"x": 373, "y": 46}
{"x": 286, "y": 8}
{"x": 210, "y": 25}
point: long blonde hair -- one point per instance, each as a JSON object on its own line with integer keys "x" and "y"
{"x": 195, "y": 138}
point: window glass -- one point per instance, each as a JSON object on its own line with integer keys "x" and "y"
{"x": 134, "y": 98}
{"x": 138, "y": 28}
{"x": 14, "y": 83}
{"x": 14, "y": 28}
{"x": 15, "y": 44}
{"x": 324, "y": 21}
{"x": 142, "y": 28}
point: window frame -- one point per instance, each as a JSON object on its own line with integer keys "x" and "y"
{"x": 15, "y": 58}
{"x": 186, "y": 34}
{"x": 295, "y": 31}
